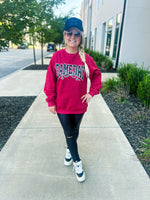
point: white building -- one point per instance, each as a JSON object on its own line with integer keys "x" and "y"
{"x": 118, "y": 28}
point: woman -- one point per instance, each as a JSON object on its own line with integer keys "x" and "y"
{"x": 66, "y": 89}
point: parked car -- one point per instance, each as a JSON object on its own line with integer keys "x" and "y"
{"x": 23, "y": 46}
{"x": 3, "y": 48}
{"x": 50, "y": 47}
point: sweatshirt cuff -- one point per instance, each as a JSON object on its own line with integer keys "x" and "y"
{"x": 50, "y": 104}
{"x": 91, "y": 93}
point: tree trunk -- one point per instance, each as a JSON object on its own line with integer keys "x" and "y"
{"x": 34, "y": 51}
{"x": 42, "y": 51}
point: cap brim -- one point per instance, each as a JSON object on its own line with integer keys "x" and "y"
{"x": 69, "y": 27}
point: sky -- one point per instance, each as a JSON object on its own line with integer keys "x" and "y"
{"x": 70, "y": 4}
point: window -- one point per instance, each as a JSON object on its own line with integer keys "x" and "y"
{"x": 91, "y": 40}
{"x": 85, "y": 42}
{"x": 108, "y": 40}
{"x": 118, "y": 22}
{"x": 103, "y": 37}
{"x": 95, "y": 4}
{"x": 95, "y": 37}
{"x": 99, "y": 1}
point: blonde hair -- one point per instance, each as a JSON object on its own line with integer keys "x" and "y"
{"x": 81, "y": 53}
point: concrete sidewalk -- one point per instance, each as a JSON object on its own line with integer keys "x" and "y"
{"x": 31, "y": 163}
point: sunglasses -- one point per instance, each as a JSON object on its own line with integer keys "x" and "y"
{"x": 76, "y": 34}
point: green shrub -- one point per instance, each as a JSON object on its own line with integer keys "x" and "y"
{"x": 143, "y": 91}
{"x": 100, "y": 59}
{"x": 123, "y": 70}
{"x": 132, "y": 76}
{"x": 135, "y": 76}
{"x": 109, "y": 64}
{"x": 96, "y": 57}
{"x": 145, "y": 148}
{"x": 86, "y": 50}
{"x": 109, "y": 85}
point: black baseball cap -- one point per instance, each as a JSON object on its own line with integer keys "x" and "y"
{"x": 73, "y": 22}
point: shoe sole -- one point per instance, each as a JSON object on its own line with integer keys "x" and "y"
{"x": 68, "y": 163}
{"x": 81, "y": 179}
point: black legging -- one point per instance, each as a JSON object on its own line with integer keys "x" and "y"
{"x": 71, "y": 124}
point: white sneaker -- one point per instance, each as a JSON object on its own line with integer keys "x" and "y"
{"x": 80, "y": 174}
{"x": 68, "y": 158}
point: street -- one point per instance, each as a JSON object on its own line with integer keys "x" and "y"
{"x": 15, "y": 59}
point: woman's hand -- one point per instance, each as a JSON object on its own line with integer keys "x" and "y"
{"x": 52, "y": 109}
{"x": 86, "y": 97}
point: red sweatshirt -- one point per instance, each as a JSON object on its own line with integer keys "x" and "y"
{"x": 66, "y": 82}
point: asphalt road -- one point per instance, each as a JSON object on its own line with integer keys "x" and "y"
{"x": 16, "y": 59}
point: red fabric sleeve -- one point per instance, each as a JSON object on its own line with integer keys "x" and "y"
{"x": 95, "y": 76}
{"x": 50, "y": 85}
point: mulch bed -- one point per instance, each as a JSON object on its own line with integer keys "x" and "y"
{"x": 36, "y": 67}
{"x": 133, "y": 118}
{"x": 12, "y": 109}
{"x": 103, "y": 70}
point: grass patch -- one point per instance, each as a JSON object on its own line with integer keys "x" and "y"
{"x": 145, "y": 151}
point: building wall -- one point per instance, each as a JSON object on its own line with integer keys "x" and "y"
{"x": 102, "y": 12}
{"x": 85, "y": 16}
{"x": 98, "y": 13}
{"x": 136, "y": 34}
{"x": 136, "y": 30}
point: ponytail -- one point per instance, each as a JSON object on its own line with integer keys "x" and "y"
{"x": 82, "y": 55}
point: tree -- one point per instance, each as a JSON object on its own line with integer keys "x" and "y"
{"x": 57, "y": 26}
{"x": 55, "y": 32}
{"x": 15, "y": 17}
{"x": 19, "y": 17}
{"x": 45, "y": 18}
